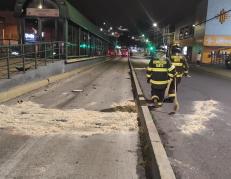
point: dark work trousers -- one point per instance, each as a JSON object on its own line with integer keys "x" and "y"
{"x": 159, "y": 93}
{"x": 172, "y": 87}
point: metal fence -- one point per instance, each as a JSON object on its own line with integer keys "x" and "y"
{"x": 16, "y": 59}
{"x": 220, "y": 55}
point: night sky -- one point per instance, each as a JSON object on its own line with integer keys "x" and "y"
{"x": 136, "y": 15}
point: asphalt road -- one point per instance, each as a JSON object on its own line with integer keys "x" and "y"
{"x": 198, "y": 138}
{"x": 111, "y": 155}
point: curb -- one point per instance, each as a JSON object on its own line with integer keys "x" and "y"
{"x": 69, "y": 61}
{"x": 23, "y": 89}
{"x": 158, "y": 165}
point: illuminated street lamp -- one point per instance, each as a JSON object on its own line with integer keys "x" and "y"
{"x": 146, "y": 40}
{"x": 112, "y": 33}
{"x": 133, "y": 37}
{"x": 154, "y": 24}
{"x": 118, "y": 47}
{"x": 143, "y": 35}
{"x": 101, "y": 29}
{"x": 40, "y": 6}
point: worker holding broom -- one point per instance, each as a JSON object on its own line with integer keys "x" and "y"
{"x": 159, "y": 72}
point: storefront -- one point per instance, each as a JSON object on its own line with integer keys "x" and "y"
{"x": 40, "y": 21}
{"x": 217, "y": 39}
{"x": 59, "y": 21}
{"x": 211, "y": 37}
{"x": 9, "y": 33}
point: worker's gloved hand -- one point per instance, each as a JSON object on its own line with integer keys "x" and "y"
{"x": 174, "y": 76}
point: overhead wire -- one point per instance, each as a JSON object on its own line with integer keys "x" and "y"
{"x": 215, "y": 17}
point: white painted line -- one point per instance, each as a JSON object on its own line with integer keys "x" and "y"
{"x": 139, "y": 68}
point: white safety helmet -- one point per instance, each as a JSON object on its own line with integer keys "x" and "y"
{"x": 161, "y": 54}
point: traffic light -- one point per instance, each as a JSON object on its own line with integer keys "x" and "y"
{"x": 118, "y": 47}
{"x": 83, "y": 45}
{"x": 151, "y": 47}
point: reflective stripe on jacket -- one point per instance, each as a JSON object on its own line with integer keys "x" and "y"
{"x": 180, "y": 64}
{"x": 159, "y": 72}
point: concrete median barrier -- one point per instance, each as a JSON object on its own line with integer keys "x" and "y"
{"x": 157, "y": 163}
{"x": 74, "y": 60}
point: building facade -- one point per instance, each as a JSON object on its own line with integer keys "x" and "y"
{"x": 208, "y": 30}
{"x": 9, "y": 32}
{"x": 41, "y": 21}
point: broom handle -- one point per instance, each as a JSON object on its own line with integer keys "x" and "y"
{"x": 176, "y": 99}
{"x": 167, "y": 89}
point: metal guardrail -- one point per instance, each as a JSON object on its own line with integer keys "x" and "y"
{"x": 219, "y": 58}
{"x": 22, "y": 57}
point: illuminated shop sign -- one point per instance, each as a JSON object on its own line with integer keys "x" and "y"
{"x": 42, "y": 12}
{"x": 30, "y": 37}
{"x": 213, "y": 40}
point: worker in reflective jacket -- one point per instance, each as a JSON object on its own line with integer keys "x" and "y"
{"x": 182, "y": 67}
{"x": 159, "y": 71}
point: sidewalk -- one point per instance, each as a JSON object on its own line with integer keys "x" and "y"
{"x": 216, "y": 69}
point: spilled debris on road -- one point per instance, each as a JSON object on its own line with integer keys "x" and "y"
{"x": 195, "y": 123}
{"x": 32, "y": 119}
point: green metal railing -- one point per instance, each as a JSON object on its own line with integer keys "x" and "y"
{"x": 20, "y": 58}
{"x": 15, "y": 59}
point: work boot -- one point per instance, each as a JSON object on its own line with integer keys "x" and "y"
{"x": 169, "y": 100}
{"x": 154, "y": 103}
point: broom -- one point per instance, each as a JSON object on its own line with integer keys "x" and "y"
{"x": 176, "y": 102}
{"x": 167, "y": 89}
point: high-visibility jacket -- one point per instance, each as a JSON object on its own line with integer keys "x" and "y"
{"x": 159, "y": 72}
{"x": 181, "y": 65}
